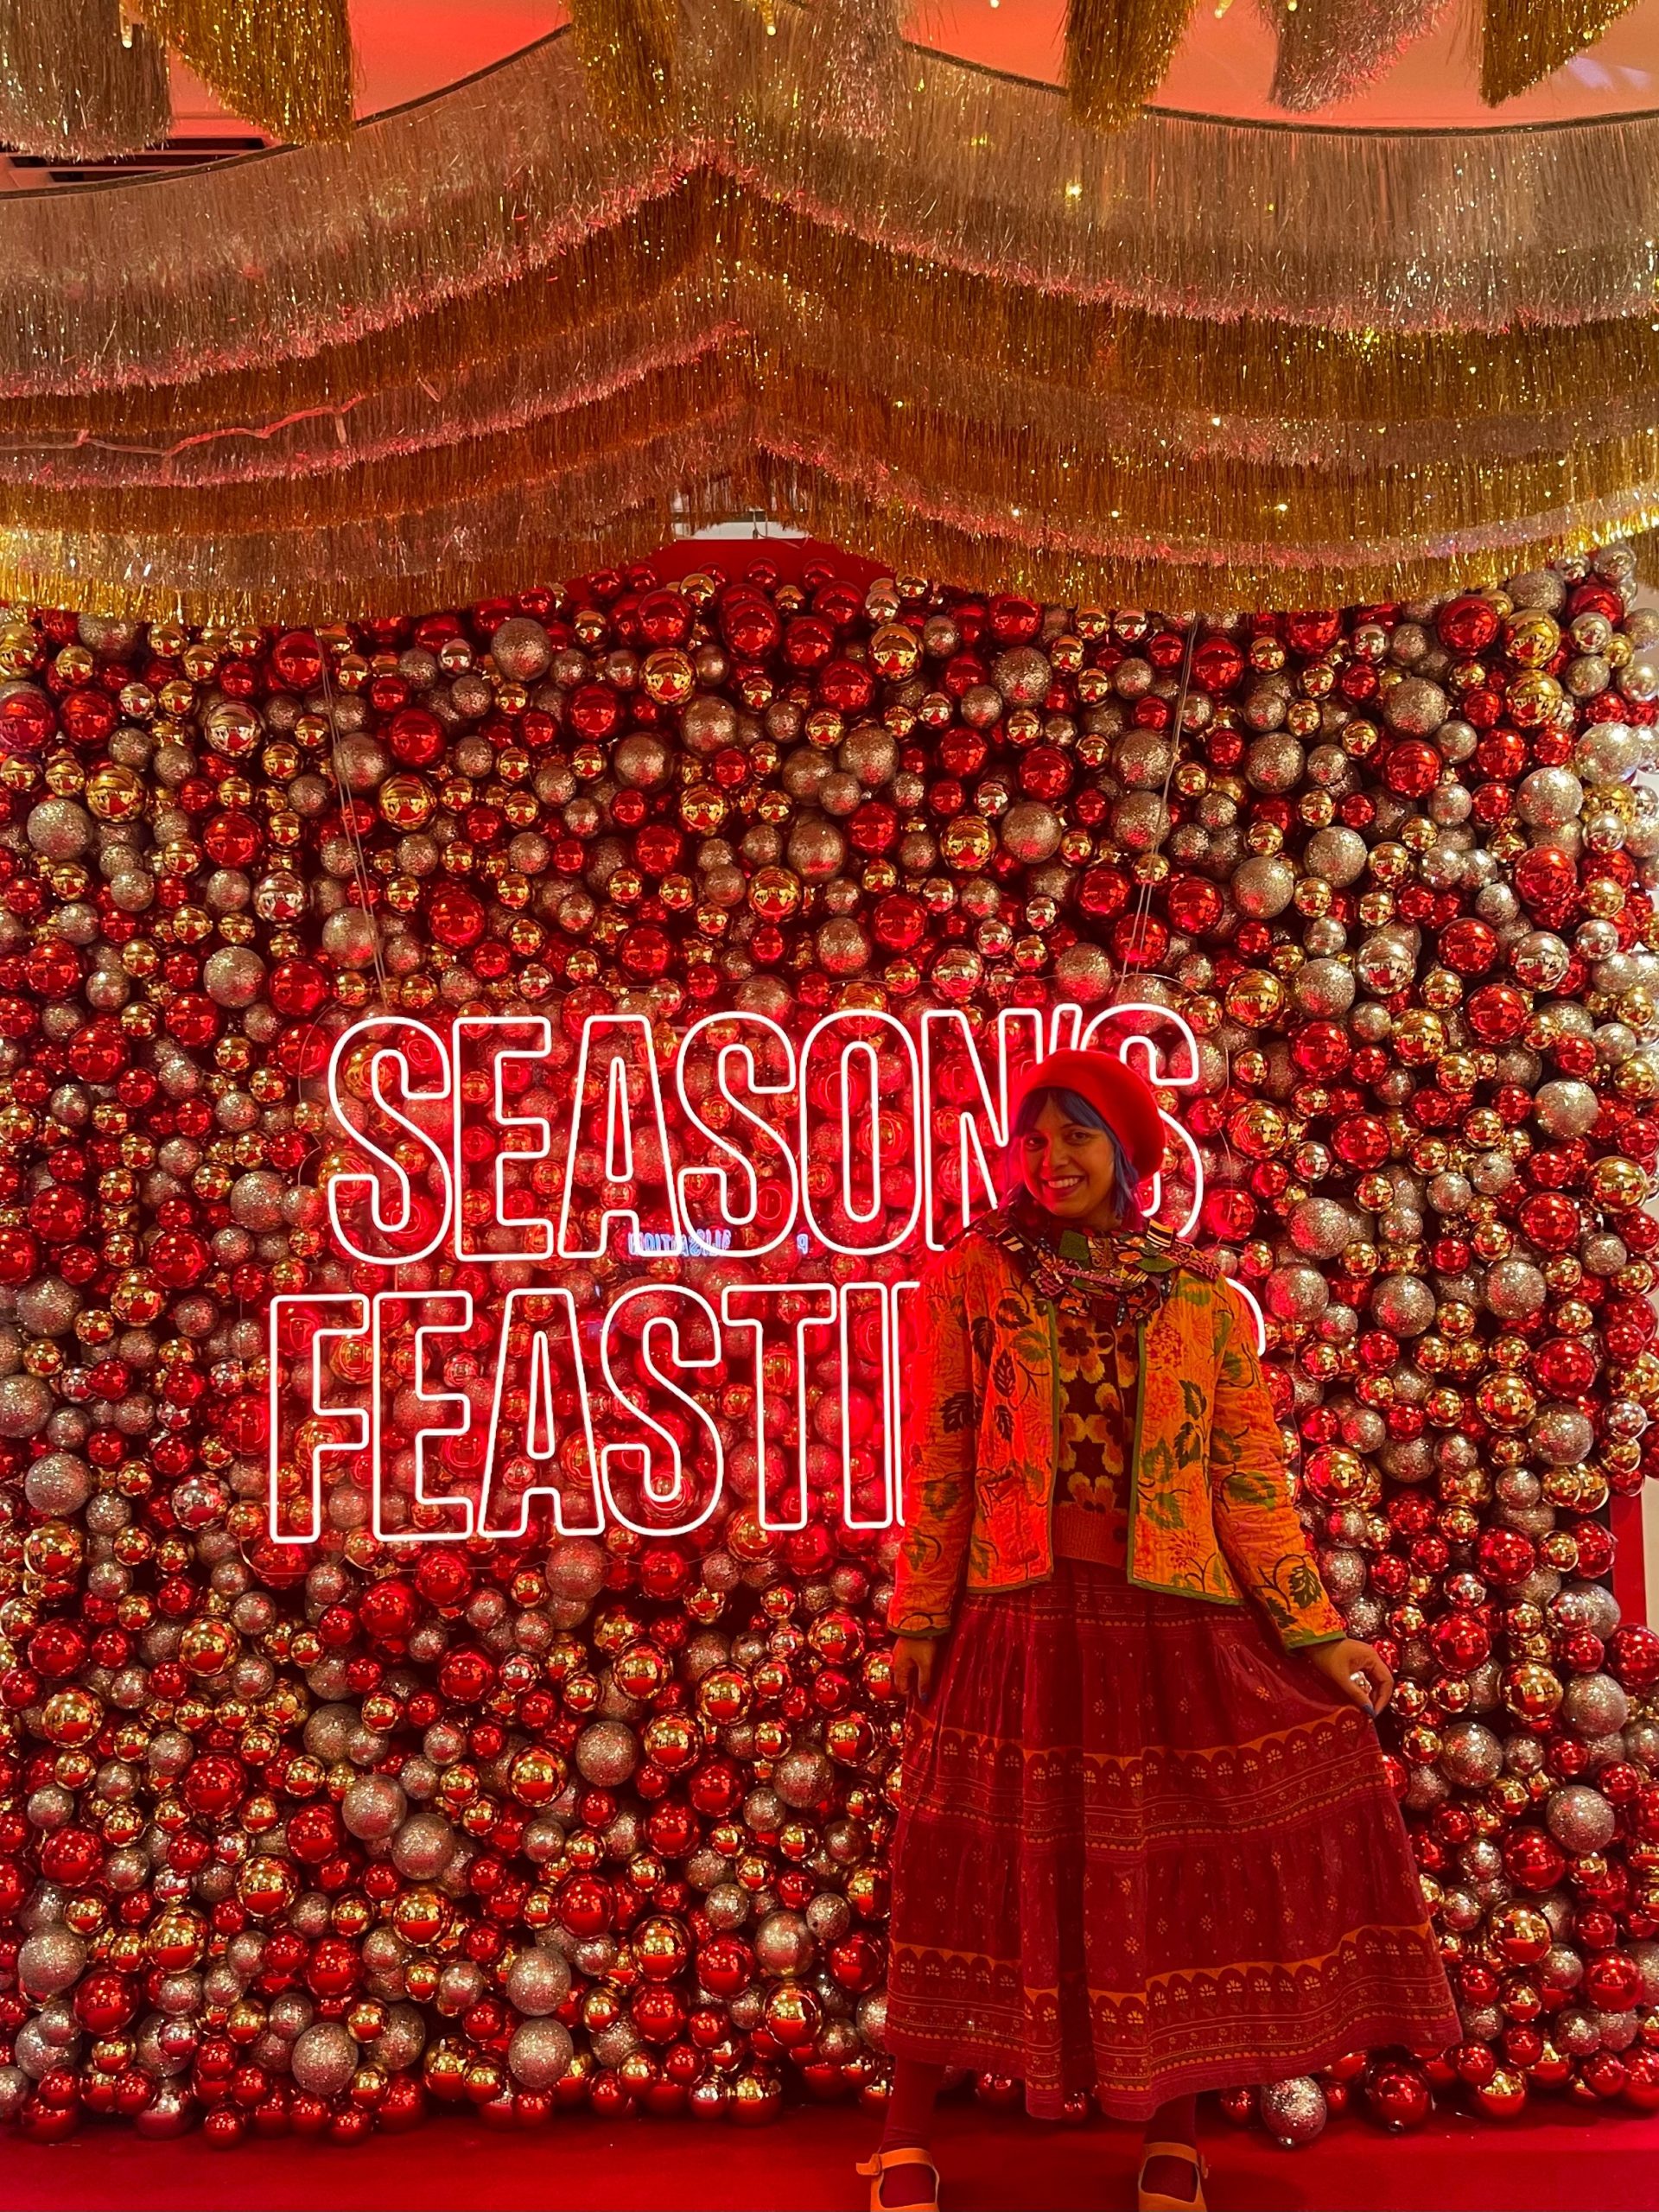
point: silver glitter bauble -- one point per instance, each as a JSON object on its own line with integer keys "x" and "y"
{"x": 59, "y": 829}
{"x": 1324, "y": 988}
{"x": 1321, "y": 1228}
{"x": 1514, "y": 1289}
{"x": 1403, "y": 1305}
{"x": 869, "y": 752}
{"x": 538, "y": 1981}
{"x": 1022, "y": 674}
{"x": 1263, "y": 888}
{"x": 50, "y": 1960}
{"x": 1141, "y": 759}
{"x": 1580, "y": 1818}
{"x": 1337, "y": 856}
{"x": 349, "y": 937}
{"x": 522, "y": 649}
{"x": 1084, "y": 973}
{"x": 842, "y": 948}
{"x": 1594, "y": 1705}
{"x": 325, "y": 2058}
{"x": 539, "y": 2054}
{"x": 642, "y": 761}
{"x": 424, "y": 1847}
{"x": 829, "y": 1916}
{"x": 373, "y": 1807}
{"x": 709, "y": 724}
{"x": 803, "y": 1778}
{"x": 233, "y": 977}
{"x": 1565, "y": 1108}
{"x": 606, "y": 1753}
{"x": 727, "y": 1905}
{"x": 1140, "y": 822}
{"x": 26, "y": 1405}
{"x": 1031, "y": 831}
{"x": 576, "y": 1568}
{"x": 1548, "y": 797}
{"x": 871, "y": 2019}
{"x": 1275, "y": 763}
{"x": 1416, "y": 707}
{"x": 1294, "y": 2111}
{"x": 257, "y": 1200}
{"x": 1470, "y": 1755}
{"x": 1646, "y": 1955}
{"x": 1297, "y": 1293}
{"x": 1562, "y": 1437}
{"x": 816, "y": 849}
{"x": 58, "y": 1483}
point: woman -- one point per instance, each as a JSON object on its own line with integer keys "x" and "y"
{"x": 1148, "y": 1847}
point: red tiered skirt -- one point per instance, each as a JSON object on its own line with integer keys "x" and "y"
{"x": 1142, "y": 1851}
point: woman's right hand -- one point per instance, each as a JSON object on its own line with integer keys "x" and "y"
{"x": 913, "y": 1660}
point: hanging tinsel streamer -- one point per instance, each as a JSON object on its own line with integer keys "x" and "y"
{"x": 72, "y": 87}
{"x": 1117, "y": 53}
{"x": 1329, "y": 50}
{"x": 1524, "y": 41}
{"x": 627, "y": 50}
{"x": 853, "y": 59}
{"x": 285, "y": 65}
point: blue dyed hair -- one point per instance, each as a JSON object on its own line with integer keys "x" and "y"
{"x": 1126, "y": 1183}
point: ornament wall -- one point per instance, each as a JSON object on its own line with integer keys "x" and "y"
{"x": 321, "y": 1842}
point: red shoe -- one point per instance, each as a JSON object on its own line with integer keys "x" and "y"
{"x": 884, "y": 2162}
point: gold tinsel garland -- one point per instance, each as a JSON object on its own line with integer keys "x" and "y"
{"x": 285, "y": 65}
{"x": 1118, "y": 52}
{"x": 475, "y": 339}
{"x": 72, "y": 87}
{"x": 1524, "y": 41}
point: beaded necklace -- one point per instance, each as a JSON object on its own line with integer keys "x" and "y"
{"x": 1111, "y": 1286}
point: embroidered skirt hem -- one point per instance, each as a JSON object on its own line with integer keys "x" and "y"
{"x": 1143, "y": 1853}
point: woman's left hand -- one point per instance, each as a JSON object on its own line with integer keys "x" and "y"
{"x": 1355, "y": 1670}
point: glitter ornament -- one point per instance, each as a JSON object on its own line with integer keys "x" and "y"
{"x": 1294, "y": 2111}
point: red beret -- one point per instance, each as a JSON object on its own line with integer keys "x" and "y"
{"x": 1122, "y": 1099}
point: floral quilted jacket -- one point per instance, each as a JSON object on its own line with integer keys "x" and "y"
{"x": 1210, "y": 1513}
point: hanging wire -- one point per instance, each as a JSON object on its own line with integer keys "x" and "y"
{"x": 1143, "y": 902}
{"x": 348, "y": 816}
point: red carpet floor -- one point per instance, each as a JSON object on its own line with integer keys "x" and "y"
{"x": 995, "y": 2163}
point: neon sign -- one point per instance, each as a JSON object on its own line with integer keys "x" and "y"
{"x": 562, "y": 1292}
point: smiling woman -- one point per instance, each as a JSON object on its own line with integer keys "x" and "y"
{"x": 1148, "y": 1845}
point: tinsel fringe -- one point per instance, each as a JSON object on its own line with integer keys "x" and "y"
{"x": 989, "y": 502}
{"x": 481, "y": 337}
{"x": 627, "y": 48}
{"x": 71, "y": 88}
{"x": 1329, "y": 50}
{"x": 285, "y": 65}
{"x": 1524, "y": 41}
{"x": 1277, "y": 388}
{"x": 1179, "y": 215}
{"x": 1117, "y": 54}
{"x": 1098, "y": 491}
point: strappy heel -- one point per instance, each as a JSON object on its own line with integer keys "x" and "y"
{"x": 1153, "y": 2200}
{"x": 884, "y": 2162}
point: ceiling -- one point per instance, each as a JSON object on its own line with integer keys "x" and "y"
{"x": 408, "y": 49}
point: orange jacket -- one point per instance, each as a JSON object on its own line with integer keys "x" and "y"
{"x": 1210, "y": 1500}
